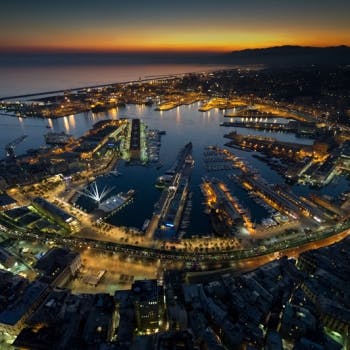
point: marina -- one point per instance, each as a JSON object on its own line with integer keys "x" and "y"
{"x": 153, "y": 145}
{"x": 175, "y": 175}
{"x": 227, "y": 215}
{"x": 209, "y": 159}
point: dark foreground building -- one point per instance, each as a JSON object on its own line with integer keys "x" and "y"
{"x": 286, "y": 304}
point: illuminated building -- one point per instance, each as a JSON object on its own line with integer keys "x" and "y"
{"x": 58, "y": 266}
{"x": 7, "y": 202}
{"x": 16, "y": 312}
{"x": 135, "y": 144}
{"x": 60, "y": 216}
{"x": 147, "y": 305}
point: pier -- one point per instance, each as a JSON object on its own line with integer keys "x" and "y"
{"x": 170, "y": 208}
{"x": 227, "y": 214}
{"x": 10, "y": 147}
{"x": 272, "y": 146}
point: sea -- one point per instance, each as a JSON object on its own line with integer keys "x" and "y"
{"x": 182, "y": 125}
{"x": 19, "y": 80}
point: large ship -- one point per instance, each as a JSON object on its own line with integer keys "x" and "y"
{"x": 172, "y": 210}
{"x": 184, "y": 162}
{"x": 164, "y": 181}
{"x": 182, "y": 158}
{"x": 57, "y": 138}
{"x": 116, "y": 202}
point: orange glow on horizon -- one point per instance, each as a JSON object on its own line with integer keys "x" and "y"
{"x": 171, "y": 26}
{"x": 163, "y": 49}
{"x": 180, "y": 40}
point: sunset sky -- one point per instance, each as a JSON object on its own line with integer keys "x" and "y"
{"x": 163, "y": 25}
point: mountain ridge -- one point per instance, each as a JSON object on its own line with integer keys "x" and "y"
{"x": 285, "y": 55}
{"x": 291, "y": 54}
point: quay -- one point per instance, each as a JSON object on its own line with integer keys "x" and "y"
{"x": 270, "y": 145}
{"x": 75, "y": 89}
{"x": 169, "y": 210}
{"x": 221, "y": 103}
{"x": 226, "y": 213}
{"x": 282, "y": 199}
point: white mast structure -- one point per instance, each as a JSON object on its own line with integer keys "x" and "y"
{"x": 94, "y": 193}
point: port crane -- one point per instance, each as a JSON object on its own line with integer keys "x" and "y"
{"x": 10, "y": 147}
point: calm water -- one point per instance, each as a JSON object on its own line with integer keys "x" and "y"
{"x": 25, "y": 80}
{"x": 182, "y": 125}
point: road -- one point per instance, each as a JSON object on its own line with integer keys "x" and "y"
{"x": 202, "y": 260}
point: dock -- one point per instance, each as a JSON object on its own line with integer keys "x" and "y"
{"x": 226, "y": 211}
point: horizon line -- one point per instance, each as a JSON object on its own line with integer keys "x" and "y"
{"x": 46, "y": 50}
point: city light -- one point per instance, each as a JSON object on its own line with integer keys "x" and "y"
{"x": 95, "y": 193}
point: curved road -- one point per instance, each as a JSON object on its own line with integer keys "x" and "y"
{"x": 203, "y": 259}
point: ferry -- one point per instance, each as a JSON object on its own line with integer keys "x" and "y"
{"x": 163, "y": 181}
{"x": 116, "y": 202}
{"x": 180, "y": 159}
{"x": 189, "y": 160}
{"x": 58, "y": 138}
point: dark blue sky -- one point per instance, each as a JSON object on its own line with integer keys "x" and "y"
{"x": 221, "y": 25}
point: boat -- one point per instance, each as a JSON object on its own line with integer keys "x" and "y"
{"x": 145, "y": 224}
{"x": 58, "y": 138}
{"x": 163, "y": 181}
{"x": 115, "y": 172}
{"x": 149, "y": 102}
{"x": 180, "y": 159}
{"x": 189, "y": 160}
{"x": 115, "y": 203}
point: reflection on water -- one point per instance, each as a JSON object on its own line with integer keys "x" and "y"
{"x": 71, "y": 120}
{"x": 189, "y": 123}
{"x": 66, "y": 125}
{"x": 50, "y": 123}
{"x": 113, "y": 113}
{"x": 23, "y": 80}
{"x": 182, "y": 124}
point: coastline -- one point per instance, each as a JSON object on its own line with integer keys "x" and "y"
{"x": 148, "y": 77}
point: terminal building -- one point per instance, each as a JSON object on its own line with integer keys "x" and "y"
{"x": 64, "y": 219}
{"x": 58, "y": 266}
{"x": 283, "y": 199}
{"x": 146, "y": 298}
{"x": 273, "y": 146}
{"x": 103, "y": 135}
{"x": 135, "y": 142}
